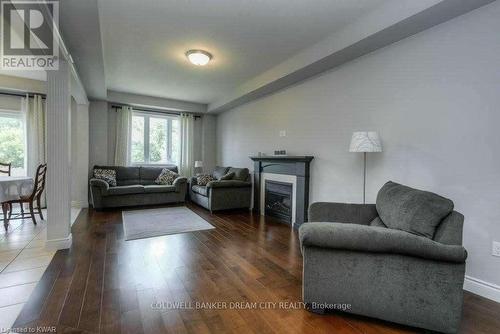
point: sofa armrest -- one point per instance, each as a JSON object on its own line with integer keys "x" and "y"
{"x": 99, "y": 183}
{"x": 228, "y": 184}
{"x": 370, "y": 239}
{"x": 179, "y": 182}
{"x": 342, "y": 213}
{"x": 98, "y": 189}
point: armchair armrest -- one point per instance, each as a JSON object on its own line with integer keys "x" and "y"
{"x": 377, "y": 240}
{"x": 342, "y": 213}
{"x": 228, "y": 184}
{"x": 178, "y": 182}
{"x": 99, "y": 183}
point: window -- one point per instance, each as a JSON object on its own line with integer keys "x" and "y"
{"x": 12, "y": 141}
{"x": 155, "y": 139}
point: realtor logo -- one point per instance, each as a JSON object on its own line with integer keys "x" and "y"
{"x": 29, "y": 35}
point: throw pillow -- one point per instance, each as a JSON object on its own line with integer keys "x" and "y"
{"x": 108, "y": 175}
{"x": 166, "y": 177}
{"x": 228, "y": 176}
{"x": 411, "y": 210}
{"x": 203, "y": 179}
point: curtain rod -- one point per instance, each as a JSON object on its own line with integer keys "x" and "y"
{"x": 116, "y": 107}
{"x": 30, "y": 94}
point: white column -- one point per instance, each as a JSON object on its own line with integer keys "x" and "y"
{"x": 58, "y": 157}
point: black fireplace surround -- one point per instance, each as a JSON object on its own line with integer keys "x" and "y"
{"x": 298, "y": 166}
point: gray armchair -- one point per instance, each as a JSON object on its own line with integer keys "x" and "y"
{"x": 352, "y": 257}
{"x": 235, "y": 193}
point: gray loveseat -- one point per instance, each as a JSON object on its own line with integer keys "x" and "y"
{"x": 410, "y": 273}
{"x": 136, "y": 186}
{"x": 223, "y": 194}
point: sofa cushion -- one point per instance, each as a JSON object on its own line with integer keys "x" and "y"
{"x": 159, "y": 189}
{"x": 107, "y": 175}
{"x": 227, "y": 176}
{"x": 203, "y": 179}
{"x": 240, "y": 174}
{"x": 202, "y": 190}
{"x": 411, "y": 210}
{"x": 166, "y": 177}
{"x": 125, "y": 190}
{"x": 219, "y": 172}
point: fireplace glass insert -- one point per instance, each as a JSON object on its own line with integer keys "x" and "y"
{"x": 278, "y": 200}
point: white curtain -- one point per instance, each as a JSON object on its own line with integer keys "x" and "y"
{"x": 34, "y": 111}
{"x": 186, "y": 163}
{"x": 123, "y": 124}
{"x": 36, "y": 150}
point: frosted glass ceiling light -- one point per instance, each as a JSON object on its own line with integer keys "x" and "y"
{"x": 198, "y": 57}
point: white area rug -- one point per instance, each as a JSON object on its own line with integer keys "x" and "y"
{"x": 149, "y": 223}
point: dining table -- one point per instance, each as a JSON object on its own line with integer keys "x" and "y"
{"x": 11, "y": 188}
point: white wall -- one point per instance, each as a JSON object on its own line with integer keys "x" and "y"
{"x": 79, "y": 154}
{"x": 434, "y": 98}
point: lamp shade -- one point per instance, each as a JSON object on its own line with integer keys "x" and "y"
{"x": 365, "y": 141}
{"x": 198, "y": 164}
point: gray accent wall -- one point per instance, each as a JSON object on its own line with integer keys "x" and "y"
{"x": 433, "y": 97}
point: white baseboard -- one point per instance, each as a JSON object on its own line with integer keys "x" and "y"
{"x": 79, "y": 204}
{"x": 482, "y": 288}
{"x": 57, "y": 244}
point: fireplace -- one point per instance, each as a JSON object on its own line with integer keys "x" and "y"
{"x": 278, "y": 200}
{"x": 289, "y": 191}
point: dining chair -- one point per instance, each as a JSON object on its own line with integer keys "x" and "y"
{"x": 36, "y": 194}
{"x": 5, "y": 168}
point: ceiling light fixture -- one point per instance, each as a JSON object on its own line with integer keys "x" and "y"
{"x": 198, "y": 57}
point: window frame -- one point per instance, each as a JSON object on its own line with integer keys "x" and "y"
{"x": 146, "y": 138}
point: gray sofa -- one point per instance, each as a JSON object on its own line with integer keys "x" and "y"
{"x": 408, "y": 273}
{"x": 223, "y": 194}
{"x": 136, "y": 186}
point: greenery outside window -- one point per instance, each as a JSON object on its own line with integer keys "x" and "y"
{"x": 155, "y": 139}
{"x": 13, "y": 141}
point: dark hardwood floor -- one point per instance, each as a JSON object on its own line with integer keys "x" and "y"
{"x": 104, "y": 284}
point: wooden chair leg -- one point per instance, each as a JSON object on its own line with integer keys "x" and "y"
{"x": 32, "y": 213}
{"x": 22, "y": 208}
{"x": 5, "y": 207}
{"x": 10, "y": 210}
{"x": 39, "y": 207}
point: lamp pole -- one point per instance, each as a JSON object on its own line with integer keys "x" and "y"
{"x": 364, "y": 178}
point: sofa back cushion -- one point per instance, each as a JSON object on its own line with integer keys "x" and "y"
{"x": 148, "y": 175}
{"x": 219, "y": 172}
{"x": 125, "y": 176}
{"x": 240, "y": 174}
{"x": 411, "y": 210}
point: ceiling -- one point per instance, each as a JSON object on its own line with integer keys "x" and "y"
{"x": 138, "y": 46}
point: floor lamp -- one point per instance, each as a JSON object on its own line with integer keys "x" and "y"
{"x": 365, "y": 142}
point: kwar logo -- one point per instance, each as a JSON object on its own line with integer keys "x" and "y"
{"x": 29, "y": 35}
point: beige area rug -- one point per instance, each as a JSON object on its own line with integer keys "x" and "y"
{"x": 149, "y": 223}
